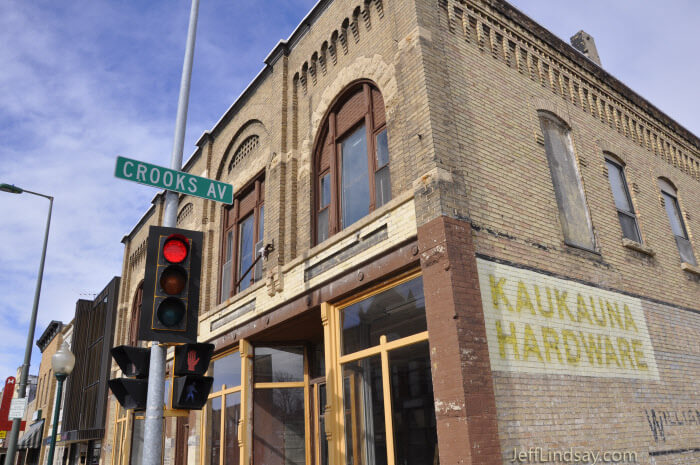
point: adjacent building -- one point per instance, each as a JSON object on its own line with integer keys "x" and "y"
{"x": 83, "y": 420}
{"x": 454, "y": 238}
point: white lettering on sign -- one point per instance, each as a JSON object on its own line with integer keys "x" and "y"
{"x": 540, "y": 324}
{"x": 222, "y": 190}
{"x": 141, "y": 173}
{"x": 168, "y": 179}
{"x": 155, "y": 171}
{"x": 180, "y": 181}
{"x": 193, "y": 185}
{"x": 128, "y": 164}
{"x": 211, "y": 190}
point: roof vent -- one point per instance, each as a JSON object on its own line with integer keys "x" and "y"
{"x": 584, "y": 43}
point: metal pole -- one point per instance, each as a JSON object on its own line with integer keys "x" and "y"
{"x": 153, "y": 424}
{"x": 57, "y": 407}
{"x": 170, "y": 214}
{"x": 14, "y": 433}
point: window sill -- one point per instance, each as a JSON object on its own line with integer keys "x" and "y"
{"x": 634, "y": 245}
{"x": 580, "y": 247}
{"x": 694, "y": 269}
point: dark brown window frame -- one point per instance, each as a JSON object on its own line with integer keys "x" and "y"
{"x": 135, "y": 315}
{"x": 231, "y": 219}
{"x": 330, "y": 125}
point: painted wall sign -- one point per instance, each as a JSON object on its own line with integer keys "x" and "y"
{"x": 536, "y": 323}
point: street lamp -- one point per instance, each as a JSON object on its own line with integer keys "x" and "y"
{"x": 14, "y": 433}
{"x": 62, "y": 363}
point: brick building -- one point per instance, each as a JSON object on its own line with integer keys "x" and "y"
{"x": 480, "y": 243}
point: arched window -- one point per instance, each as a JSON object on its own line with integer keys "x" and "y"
{"x": 351, "y": 161}
{"x": 568, "y": 189}
{"x": 675, "y": 218}
{"x": 243, "y": 232}
{"x": 135, "y": 316}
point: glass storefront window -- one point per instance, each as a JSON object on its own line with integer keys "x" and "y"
{"x": 279, "y": 426}
{"x": 233, "y": 415}
{"x": 222, "y": 413}
{"x": 226, "y": 371}
{"x": 396, "y": 313}
{"x": 214, "y": 430}
{"x": 363, "y": 411}
{"x": 278, "y": 364}
{"x": 415, "y": 434}
{"x": 387, "y": 396}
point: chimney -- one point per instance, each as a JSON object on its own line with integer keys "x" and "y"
{"x": 584, "y": 43}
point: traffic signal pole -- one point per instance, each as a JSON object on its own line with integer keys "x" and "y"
{"x": 153, "y": 427}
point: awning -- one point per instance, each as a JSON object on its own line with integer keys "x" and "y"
{"x": 32, "y": 437}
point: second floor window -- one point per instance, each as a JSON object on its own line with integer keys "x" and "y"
{"x": 623, "y": 201}
{"x": 673, "y": 211}
{"x": 242, "y": 240}
{"x": 352, "y": 161}
{"x": 568, "y": 189}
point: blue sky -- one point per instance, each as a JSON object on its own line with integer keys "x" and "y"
{"x": 83, "y": 81}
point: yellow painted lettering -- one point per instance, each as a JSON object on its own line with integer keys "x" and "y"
{"x": 551, "y": 342}
{"x": 561, "y": 305}
{"x": 602, "y": 320}
{"x": 524, "y": 301}
{"x": 530, "y": 344}
{"x": 568, "y": 335}
{"x": 624, "y": 348}
{"x": 547, "y": 314}
{"x": 639, "y": 355}
{"x": 504, "y": 339}
{"x": 593, "y": 350}
{"x": 610, "y": 353}
{"x": 613, "y": 313}
{"x": 629, "y": 321}
{"x": 582, "y": 310}
{"x": 497, "y": 292}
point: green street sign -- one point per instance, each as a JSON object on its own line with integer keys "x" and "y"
{"x": 172, "y": 180}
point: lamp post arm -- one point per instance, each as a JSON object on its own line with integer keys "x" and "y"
{"x": 14, "y": 433}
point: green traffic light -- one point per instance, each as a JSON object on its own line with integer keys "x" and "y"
{"x": 170, "y": 312}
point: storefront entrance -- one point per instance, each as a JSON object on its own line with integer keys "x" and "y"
{"x": 347, "y": 383}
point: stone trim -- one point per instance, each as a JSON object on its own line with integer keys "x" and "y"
{"x": 630, "y": 244}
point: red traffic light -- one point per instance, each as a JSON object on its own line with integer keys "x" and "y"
{"x": 175, "y": 248}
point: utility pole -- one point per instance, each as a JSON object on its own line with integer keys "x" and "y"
{"x": 153, "y": 430}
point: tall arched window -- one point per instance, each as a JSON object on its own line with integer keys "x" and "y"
{"x": 135, "y": 316}
{"x": 351, "y": 160}
{"x": 675, "y": 218}
{"x": 568, "y": 189}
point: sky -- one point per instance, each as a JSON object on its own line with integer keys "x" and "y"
{"x": 84, "y": 81}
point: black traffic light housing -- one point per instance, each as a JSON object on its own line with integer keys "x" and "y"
{"x": 169, "y": 309}
{"x": 131, "y": 393}
{"x": 190, "y": 388}
{"x": 134, "y": 362}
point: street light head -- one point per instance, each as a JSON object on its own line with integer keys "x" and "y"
{"x": 12, "y": 189}
{"x": 63, "y": 361}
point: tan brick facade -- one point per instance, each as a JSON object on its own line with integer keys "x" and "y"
{"x": 472, "y": 200}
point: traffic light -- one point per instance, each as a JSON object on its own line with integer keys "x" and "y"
{"x": 134, "y": 361}
{"x": 169, "y": 309}
{"x": 190, "y": 388}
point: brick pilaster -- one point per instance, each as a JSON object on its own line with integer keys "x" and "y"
{"x": 465, "y": 405}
